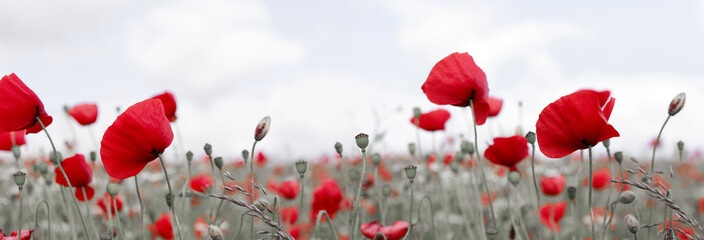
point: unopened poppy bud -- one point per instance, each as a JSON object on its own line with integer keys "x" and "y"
{"x": 410, "y": 172}
{"x": 412, "y": 149}
{"x": 455, "y": 167}
{"x": 301, "y": 167}
{"x": 362, "y": 140}
{"x": 208, "y": 149}
{"x": 676, "y": 104}
{"x": 93, "y": 156}
{"x": 386, "y": 190}
{"x": 572, "y": 193}
{"x": 218, "y": 162}
{"x": 113, "y": 189}
{"x": 169, "y": 199}
{"x": 262, "y": 128}
{"x": 492, "y": 233}
{"x": 530, "y": 137}
{"x": 55, "y": 157}
{"x": 514, "y": 177}
{"x": 376, "y": 159}
{"x": 245, "y": 155}
{"x": 214, "y": 232}
{"x": 261, "y": 204}
{"x": 42, "y": 168}
{"x": 459, "y": 156}
{"x": 416, "y": 112}
{"x": 16, "y": 151}
{"x": 20, "y": 178}
{"x": 680, "y": 145}
{"x": 189, "y": 156}
{"x": 627, "y": 197}
{"x": 607, "y": 143}
{"x": 619, "y": 157}
{"x": 338, "y": 148}
{"x": 631, "y": 223}
{"x": 467, "y": 147}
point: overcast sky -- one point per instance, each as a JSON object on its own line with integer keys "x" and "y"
{"x": 327, "y": 70}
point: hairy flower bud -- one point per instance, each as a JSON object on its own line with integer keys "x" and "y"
{"x": 412, "y": 149}
{"x": 208, "y": 149}
{"x": 376, "y": 159}
{"x": 619, "y": 157}
{"x": 55, "y": 157}
{"x": 113, "y": 189}
{"x": 607, "y": 143}
{"x": 338, "y": 148}
{"x": 218, "y": 162}
{"x": 362, "y": 140}
{"x": 467, "y": 147}
{"x": 514, "y": 177}
{"x": 676, "y": 104}
{"x": 571, "y": 192}
{"x": 245, "y": 155}
{"x": 631, "y": 223}
{"x": 262, "y": 128}
{"x": 627, "y": 197}
{"x": 530, "y": 136}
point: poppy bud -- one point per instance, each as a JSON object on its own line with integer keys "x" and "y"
{"x": 455, "y": 167}
{"x": 169, "y": 199}
{"x": 113, "y": 189}
{"x": 514, "y": 177}
{"x": 261, "y": 204}
{"x": 218, "y": 162}
{"x": 376, "y": 159}
{"x": 362, "y": 140}
{"x": 492, "y": 233}
{"x": 416, "y": 112}
{"x": 410, "y": 172}
{"x": 386, "y": 190}
{"x": 245, "y": 155}
{"x": 459, "y": 156}
{"x": 627, "y": 197}
{"x": 55, "y": 157}
{"x": 680, "y": 145}
{"x": 208, "y": 149}
{"x": 16, "y": 151}
{"x": 338, "y": 148}
{"x": 467, "y": 147}
{"x": 301, "y": 167}
{"x": 412, "y": 149}
{"x": 262, "y": 128}
{"x": 530, "y": 137}
{"x": 66, "y": 108}
{"x": 619, "y": 157}
{"x": 20, "y": 178}
{"x": 606, "y": 143}
{"x": 93, "y": 156}
{"x": 42, "y": 168}
{"x": 631, "y": 223}
{"x": 214, "y": 232}
{"x": 572, "y": 193}
{"x": 676, "y": 104}
{"x": 189, "y": 156}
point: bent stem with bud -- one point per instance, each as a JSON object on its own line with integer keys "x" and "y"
{"x": 170, "y": 197}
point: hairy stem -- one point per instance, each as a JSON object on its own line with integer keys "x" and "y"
{"x": 141, "y": 206}
{"x": 171, "y": 195}
{"x": 481, "y": 166}
{"x": 652, "y": 173}
{"x": 36, "y": 217}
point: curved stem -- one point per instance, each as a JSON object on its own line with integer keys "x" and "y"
{"x": 171, "y": 195}
{"x": 432, "y": 213}
{"x": 354, "y": 229}
{"x": 608, "y": 197}
{"x": 240, "y": 228}
{"x": 615, "y": 203}
{"x": 117, "y": 218}
{"x": 141, "y": 206}
{"x": 379, "y": 234}
{"x": 48, "y": 216}
{"x": 481, "y": 165}
{"x": 85, "y": 198}
{"x": 652, "y": 171}
{"x": 20, "y": 213}
{"x": 302, "y": 193}
{"x": 251, "y": 187}
{"x": 535, "y": 184}
{"x": 590, "y": 193}
{"x": 322, "y": 213}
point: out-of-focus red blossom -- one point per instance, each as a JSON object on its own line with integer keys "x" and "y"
{"x": 261, "y": 159}
{"x": 431, "y": 159}
{"x": 552, "y": 185}
{"x": 495, "y": 105}
{"x": 20, "y": 106}
{"x": 551, "y": 213}
{"x": 600, "y": 179}
{"x": 368, "y": 181}
{"x": 369, "y": 206}
{"x": 679, "y": 226}
{"x": 507, "y": 151}
{"x": 448, "y": 159}
{"x": 279, "y": 170}
{"x": 168, "y": 101}
{"x": 326, "y": 196}
{"x": 79, "y": 173}
{"x": 395, "y": 231}
{"x": 700, "y": 203}
{"x": 346, "y": 204}
{"x": 26, "y": 235}
{"x": 289, "y": 215}
{"x": 485, "y": 198}
{"x": 103, "y": 203}
{"x": 456, "y": 80}
{"x": 288, "y": 189}
{"x": 432, "y": 121}
{"x": 200, "y": 227}
{"x": 247, "y": 185}
{"x": 661, "y": 181}
{"x": 576, "y": 121}
{"x": 84, "y": 113}
{"x": 136, "y": 137}
{"x": 6, "y": 140}
{"x": 162, "y": 227}
{"x": 239, "y": 163}
{"x": 655, "y": 141}
{"x": 201, "y": 182}
{"x": 384, "y": 173}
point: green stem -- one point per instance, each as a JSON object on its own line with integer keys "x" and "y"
{"x": 19, "y": 235}
{"x": 358, "y": 195}
{"x": 481, "y": 165}
{"x": 432, "y": 214}
{"x": 590, "y": 193}
{"x": 217, "y": 211}
{"x": 410, "y": 221}
{"x": 240, "y": 228}
{"x": 171, "y": 195}
{"x": 652, "y": 171}
{"x": 251, "y": 187}
{"x": 300, "y": 196}
{"x": 608, "y": 197}
{"x": 535, "y": 184}
{"x": 48, "y": 216}
{"x": 417, "y": 120}
{"x": 215, "y": 183}
{"x": 615, "y": 203}
{"x": 110, "y": 221}
{"x": 85, "y": 198}
{"x": 141, "y": 206}
{"x": 322, "y": 213}
{"x": 117, "y": 217}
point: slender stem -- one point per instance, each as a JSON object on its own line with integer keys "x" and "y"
{"x": 535, "y": 183}
{"x": 68, "y": 182}
{"x": 217, "y": 211}
{"x": 410, "y": 222}
{"x": 652, "y": 170}
{"x": 85, "y": 198}
{"x": 322, "y": 213}
{"x": 590, "y": 193}
{"x": 70, "y": 216}
{"x": 240, "y": 228}
{"x": 20, "y": 222}
{"x": 215, "y": 183}
{"x": 48, "y": 216}
{"x": 300, "y": 196}
{"x": 510, "y": 211}
{"x": 608, "y": 197}
{"x": 417, "y": 120}
{"x": 481, "y": 166}
{"x": 111, "y": 230}
{"x": 377, "y": 190}
{"x": 358, "y": 195}
{"x": 171, "y": 195}
{"x": 251, "y": 187}
{"x": 141, "y": 206}
{"x": 183, "y": 190}
{"x": 117, "y": 218}
{"x": 432, "y": 214}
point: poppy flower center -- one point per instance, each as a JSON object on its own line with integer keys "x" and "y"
{"x": 586, "y": 143}
{"x": 154, "y": 152}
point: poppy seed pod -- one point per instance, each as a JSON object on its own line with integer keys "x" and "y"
{"x": 412, "y": 149}
{"x": 362, "y": 140}
{"x": 410, "y": 172}
{"x": 48, "y": 181}
{"x": 676, "y": 104}
{"x": 113, "y": 189}
{"x": 245, "y": 155}
{"x": 20, "y": 178}
{"x": 631, "y": 223}
{"x": 376, "y": 159}
{"x": 530, "y": 137}
{"x": 627, "y": 197}
{"x": 208, "y": 149}
{"x": 416, "y": 112}
{"x": 301, "y": 167}
{"x": 214, "y": 232}
{"x": 105, "y": 236}
{"x": 338, "y": 148}
{"x": 680, "y": 145}
{"x": 459, "y": 156}
{"x": 189, "y": 156}
{"x": 169, "y": 199}
{"x": 262, "y": 128}
{"x": 16, "y": 151}
{"x": 571, "y": 192}
{"x": 55, "y": 157}
{"x": 607, "y": 143}
{"x": 514, "y": 177}
{"x": 218, "y": 162}
{"x": 42, "y": 168}
{"x": 386, "y": 190}
{"x": 93, "y": 156}
{"x": 619, "y": 157}
{"x": 467, "y": 147}
{"x": 455, "y": 167}
{"x": 492, "y": 233}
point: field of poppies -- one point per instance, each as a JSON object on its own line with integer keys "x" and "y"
{"x": 130, "y": 189}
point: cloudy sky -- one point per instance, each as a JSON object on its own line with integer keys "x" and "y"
{"x": 327, "y": 70}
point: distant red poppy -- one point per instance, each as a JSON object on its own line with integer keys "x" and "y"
{"x": 326, "y": 196}
{"x": 552, "y": 185}
{"x": 201, "y": 182}
{"x": 168, "y": 101}
{"x": 507, "y": 151}
{"x": 432, "y": 121}
{"x": 200, "y": 227}
{"x": 700, "y": 203}
{"x": 676, "y": 224}
{"x": 576, "y": 121}
{"x": 551, "y": 213}
{"x": 448, "y": 159}
{"x": 26, "y": 235}
{"x": 368, "y": 181}
{"x": 103, "y": 204}
{"x": 84, "y": 113}
{"x": 289, "y": 215}
{"x": 261, "y": 159}
{"x": 79, "y": 173}
{"x": 495, "y": 105}
{"x": 6, "y": 140}
{"x": 20, "y": 106}
{"x": 600, "y": 179}
{"x": 456, "y": 80}
{"x": 288, "y": 189}
{"x": 394, "y": 232}
{"x": 136, "y": 138}
{"x": 162, "y": 227}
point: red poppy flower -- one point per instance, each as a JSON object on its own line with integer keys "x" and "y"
{"x": 26, "y": 235}
{"x": 495, "y": 105}
{"x": 326, "y": 196}
{"x": 552, "y": 185}
{"x": 288, "y": 189}
{"x": 507, "y": 151}
{"x": 600, "y": 179}
{"x": 456, "y": 80}
{"x": 84, "y": 113}
{"x": 394, "y": 232}
{"x": 368, "y": 181}
{"x": 168, "y": 101}
{"x": 551, "y": 213}
{"x": 200, "y": 227}
{"x": 574, "y": 122}
{"x": 20, "y": 106}
{"x": 79, "y": 173}
{"x": 6, "y": 140}
{"x": 201, "y": 182}
{"x": 700, "y": 203}
{"x": 162, "y": 227}
{"x": 433, "y": 120}
{"x": 135, "y": 139}
{"x": 289, "y": 215}
{"x": 261, "y": 159}
{"x": 103, "y": 204}
{"x": 448, "y": 159}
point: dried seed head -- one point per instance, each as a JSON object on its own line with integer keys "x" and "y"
{"x": 16, "y": 151}
{"x": 105, "y": 236}
{"x": 208, "y": 149}
{"x": 376, "y": 159}
{"x": 189, "y": 156}
{"x": 530, "y": 136}
{"x": 607, "y": 143}
{"x": 113, "y": 189}
{"x": 467, "y": 147}
{"x": 20, "y": 177}
{"x": 416, "y": 112}
{"x": 93, "y": 156}
{"x": 410, "y": 172}
{"x": 619, "y": 157}
{"x": 218, "y": 162}
{"x": 262, "y": 204}
{"x": 680, "y": 145}
{"x": 676, "y": 104}
{"x": 412, "y": 149}
{"x": 262, "y": 128}
{"x": 214, "y": 232}
{"x": 245, "y": 155}
{"x": 55, "y": 157}
{"x": 627, "y": 197}
{"x": 631, "y": 223}
{"x": 42, "y": 168}
{"x": 338, "y": 148}
{"x": 362, "y": 140}
{"x": 514, "y": 177}
{"x": 492, "y": 233}
{"x": 301, "y": 166}
{"x": 572, "y": 192}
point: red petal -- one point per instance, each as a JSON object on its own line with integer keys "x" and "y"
{"x": 507, "y": 151}
{"x": 6, "y": 140}
{"x": 370, "y": 229}
{"x": 494, "y": 106}
{"x": 77, "y": 170}
{"x": 433, "y": 120}
{"x": 169, "y": 102}
{"x": 19, "y": 106}
{"x": 89, "y": 192}
{"x": 84, "y": 113}
{"x": 455, "y": 80}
